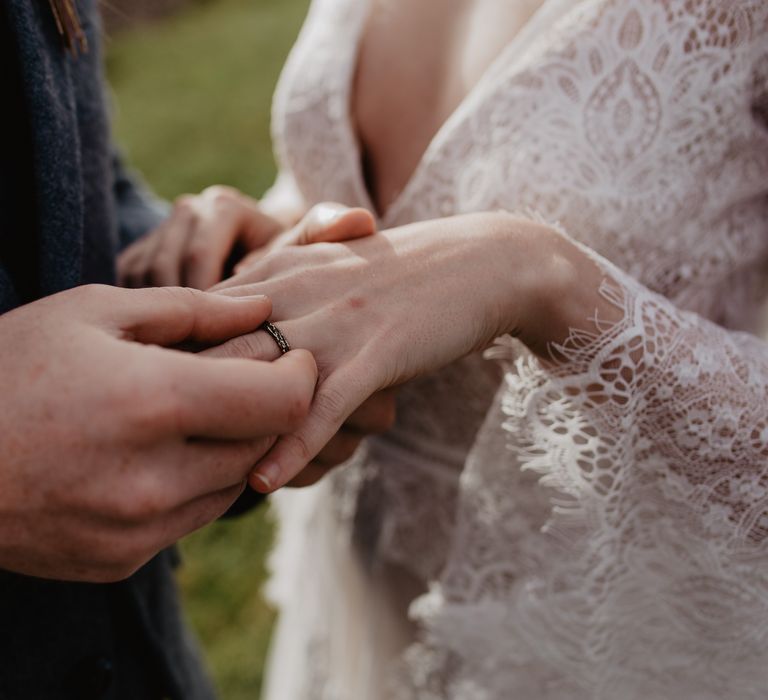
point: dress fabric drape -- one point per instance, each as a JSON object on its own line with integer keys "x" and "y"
{"x": 595, "y": 531}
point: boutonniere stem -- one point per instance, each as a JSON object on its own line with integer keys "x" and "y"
{"x": 69, "y": 26}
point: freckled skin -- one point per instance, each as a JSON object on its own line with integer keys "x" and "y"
{"x": 102, "y": 464}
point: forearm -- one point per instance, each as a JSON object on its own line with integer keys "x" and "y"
{"x": 537, "y": 284}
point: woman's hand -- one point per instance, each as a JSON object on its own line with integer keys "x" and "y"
{"x": 381, "y": 310}
{"x": 375, "y": 416}
{"x": 205, "y": 232}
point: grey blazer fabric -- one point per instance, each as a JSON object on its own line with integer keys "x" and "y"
{"x": 63, "y": 640}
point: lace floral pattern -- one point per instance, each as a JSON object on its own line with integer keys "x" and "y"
{"x": 598, "y": 531}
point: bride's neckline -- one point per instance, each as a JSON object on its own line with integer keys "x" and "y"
{"x": 521, "y": 39}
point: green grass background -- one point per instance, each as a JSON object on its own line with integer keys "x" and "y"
{"x": 191, "y": 97}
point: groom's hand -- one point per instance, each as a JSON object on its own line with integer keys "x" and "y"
{"x": 205, "y": 232}
{"x": 192, "y": 246}
{"x": 113, "y": 446}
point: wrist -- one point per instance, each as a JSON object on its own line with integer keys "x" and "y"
{"x": 553, "y": 288}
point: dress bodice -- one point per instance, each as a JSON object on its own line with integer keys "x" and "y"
{"x": 526, "y": 505}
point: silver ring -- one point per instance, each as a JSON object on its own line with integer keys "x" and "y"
{"x": 277, "y": 336}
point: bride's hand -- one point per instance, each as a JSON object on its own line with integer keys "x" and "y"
{"x": 378, "y": 311}
{"x": 204, "y": 232}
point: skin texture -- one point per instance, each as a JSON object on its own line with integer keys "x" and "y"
{"x": 115, "y": 445}
{"x": 397, "y": 111}
{"x": 203, "y": 231}
{"x": 379, "y": 311}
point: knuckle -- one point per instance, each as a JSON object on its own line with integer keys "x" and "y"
{"x": 330, "y": 405}
{"x": 297, "y": 411}
{"x": 298, "y": 445}
{"x": 164, "y": 261}
{"x": 221, "y": 194}
{"x": 143, "y": 500}
{"x": 197, "y": 251}
{"x": 185, "y": 297}
{"x": 298, "y": 404}
{"x": 285, "y": 258}
{"x": 184, "y": 204}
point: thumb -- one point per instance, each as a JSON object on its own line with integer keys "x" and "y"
{"x": 334, "y": 223}
{"x": 334, "y": 401}
{"x": 172, "y": 315}
{"x": 324, "y": 223}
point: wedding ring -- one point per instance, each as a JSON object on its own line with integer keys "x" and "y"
{"x": 276, "y": 335}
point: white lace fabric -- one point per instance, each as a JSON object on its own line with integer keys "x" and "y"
{"x": 595, "y": 531}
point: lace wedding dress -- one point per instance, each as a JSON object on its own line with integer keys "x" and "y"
{"x": 595, "y": 532}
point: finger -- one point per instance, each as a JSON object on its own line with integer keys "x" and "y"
{"x": 253, "y": 346}
{"x": 281, "y": 240}
{"x": 165, "y": 267}
{"x": 174, "y": 473}
{"x": 325, "y": 223}
{"x": 334, "y": 223}
{"x": 335, "y": 400}
{"x": 240, "y": 399}
{"x": 172, "y": 315}
{"x": 131, "y": 266}
{"x": 376, "y": 415}
{"x": 202, "y": 467}
{"x": 222, "y": 224}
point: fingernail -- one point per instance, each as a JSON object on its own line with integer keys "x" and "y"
{"x": 268, "y": 475}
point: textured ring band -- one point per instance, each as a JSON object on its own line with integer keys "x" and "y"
{"x": 277, "y": 336}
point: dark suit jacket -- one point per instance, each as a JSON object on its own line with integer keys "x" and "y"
{"x": 66, "y": 208}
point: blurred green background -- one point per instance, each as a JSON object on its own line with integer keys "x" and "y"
{"x": 192, "y": 95}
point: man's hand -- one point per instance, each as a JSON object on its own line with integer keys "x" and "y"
{"x": 112, "y": 446}
{"x": 205, "y": 232}
{"x": 192, "y": 246}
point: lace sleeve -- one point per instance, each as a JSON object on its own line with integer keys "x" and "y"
{"x": 663, "y": 397}
{"x": 611, "y": 542}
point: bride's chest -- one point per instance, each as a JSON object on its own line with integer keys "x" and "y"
{"x": 631, "y": 123}
{"x": 415, "y": 64}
